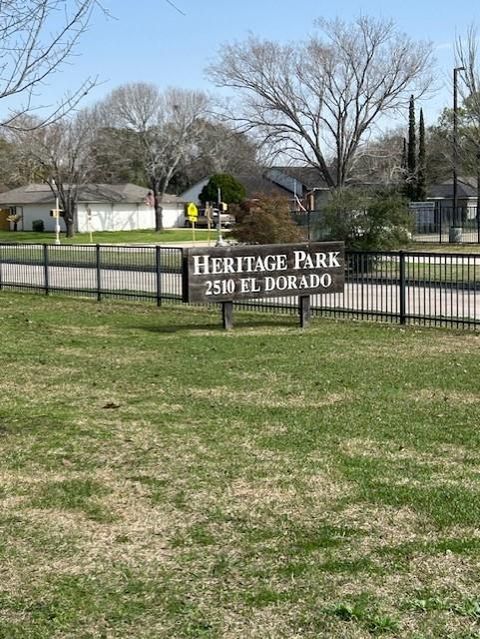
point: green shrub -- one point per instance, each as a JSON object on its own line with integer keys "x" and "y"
{"x": 378, "y": 220}
{"x": 38, "y": 226}
{"x": 233, "y": 192}
{"x": 266, "y": 220}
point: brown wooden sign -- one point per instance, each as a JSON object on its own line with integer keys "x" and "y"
{"x": 225, "y": 274}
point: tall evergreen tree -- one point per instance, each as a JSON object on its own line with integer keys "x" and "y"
{"x": 422, "y": 167}
{"x": 403, "y": 164}
{"x": 411, "y": 175}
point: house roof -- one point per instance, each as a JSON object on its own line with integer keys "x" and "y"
{"x": 466, "y": 188}
{"x": 113, "y": 193}
{"x": 307, "y": 176}
{"x": 256, "y": 184}
{"x": 275, "y": 181}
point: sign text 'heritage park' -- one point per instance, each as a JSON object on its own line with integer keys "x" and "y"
{"x": 234, "y": 273}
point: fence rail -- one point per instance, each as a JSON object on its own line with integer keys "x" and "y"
{"x": 435, "y": 224}
{"x": 98, "y": 271}
{"x": 404, "y": 287}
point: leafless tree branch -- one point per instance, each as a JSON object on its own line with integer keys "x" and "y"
{"x": 166, "y": 125}
{"x": 325, "y": 95}
{"x": 37, "y": 38}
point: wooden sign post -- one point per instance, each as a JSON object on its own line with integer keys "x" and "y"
{"x": 235, "y": 273}
{"x": 305, "y": 310}
{"x": 227, "y": 315}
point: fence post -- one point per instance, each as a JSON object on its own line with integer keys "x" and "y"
{"x": 158, "y": 271}
{"x": 97, "y": 264}
{"x": 45, "y": 268}
{"x": 402, "y": 288}
{"x": 1, "y": 268}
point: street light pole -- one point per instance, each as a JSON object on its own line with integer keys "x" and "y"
{"x": 455, "y": 236}
{"x": 56, "y": 214}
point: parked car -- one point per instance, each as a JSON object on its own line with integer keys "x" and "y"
{"x": 226, "y": 220}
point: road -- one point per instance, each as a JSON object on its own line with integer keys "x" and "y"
{"x": 433, "y": 301}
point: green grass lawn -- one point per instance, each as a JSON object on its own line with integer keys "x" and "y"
{"x": 110, "y": 237}
{"x": 164, "y": 479}
{"x": 444, "y": 247}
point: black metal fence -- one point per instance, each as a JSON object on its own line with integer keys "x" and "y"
{"x": 436, "y": 224}
{"x": 312, "y": 224}
{"x": 409, "y": 287}
{"x": 400, "y": 287}
{"x": 404, "y": 287}
{"x": 432, "y": 222}
{"x": 98, "y": 271}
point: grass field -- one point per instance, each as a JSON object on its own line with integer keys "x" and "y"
{"x": 109, "y": 237}
{"x": 163, "y": 479}
{"x": 444, "y": 247}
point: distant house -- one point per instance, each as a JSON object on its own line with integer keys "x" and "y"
{"x": 100, "y": 207}
{"x": 295, "y": 183}
{"x": 304, "y": 183}
{"x": 442, "y": 195}
{"x": 253, "y": 184}
{"x": 436, "y": 212}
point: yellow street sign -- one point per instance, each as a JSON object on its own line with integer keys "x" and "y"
{"x": 192, "y": 212}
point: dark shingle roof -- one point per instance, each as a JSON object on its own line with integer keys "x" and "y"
{"x": 114, "y": 193}
{"x": 259, "y": 184}
{"x": 308, "y": 176}
{"x": 466, "y": 187}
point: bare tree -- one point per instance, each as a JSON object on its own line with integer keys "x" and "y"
{"x": 37, "y": 37}
{"x": 380, "y": 160}
{"x": 58, "y": 155}
{"x": 116, "y": 157}
{"x": 218, "y": 149}
{"x": 167, "y": 125}
{"x": 467, "y": 57}
{"x": 316, "y": 101}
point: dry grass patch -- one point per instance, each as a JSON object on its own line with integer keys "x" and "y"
{"x": 438, "y": 346}
{"x": 443, "y": 456}
{"x": 266, "y": 378}
{"x": 138, "y": 534}
{"x": 440, "y": 396}
{"x": 270, "y": 398}
{"x": 381, "y": 525}
{"x": 272, "y": 622}
{"x": 93, "y": 330}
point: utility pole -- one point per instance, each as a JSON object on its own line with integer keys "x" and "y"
{"x": 220, "y": 241}
{"x": 455, "y": 231}
{"x": 56, "y": 214}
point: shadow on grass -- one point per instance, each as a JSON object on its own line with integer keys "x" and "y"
{"x": 286, "y": 322}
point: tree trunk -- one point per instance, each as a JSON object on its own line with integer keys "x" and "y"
{"x": 157, "y": 199}
{"x": 158, "y": 215}
{"x": 478, "y": 190}
{"x": 69, "y": 219}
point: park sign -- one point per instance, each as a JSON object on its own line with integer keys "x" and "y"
{"x": 235, "y": 273}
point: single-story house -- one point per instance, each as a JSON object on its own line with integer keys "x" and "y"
{"x": 253, "y": 184}
{"x": 100, "y": 207}
{"x": 442, "y": 195}
{"x": 304, "y": 183}
{"x": 295, "y": 183}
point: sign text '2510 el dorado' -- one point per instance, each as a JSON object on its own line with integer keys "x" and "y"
{"x": 232, "y": 273}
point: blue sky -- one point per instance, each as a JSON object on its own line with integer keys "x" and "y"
{"x": 148, "y": 40}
